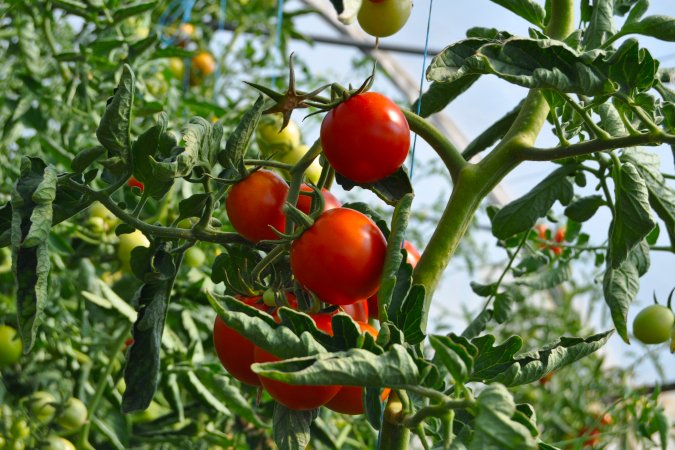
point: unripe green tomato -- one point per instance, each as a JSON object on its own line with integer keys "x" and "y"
{"x": 269, "y": 298}
{"x": 18, "y": 444}
{"x": 10, "y": 346}
{"x": 177, "y": 68}
{"x": 98, "y": 210}
{"x": 672, "y": 341}
{"x": 194, "y": 257}
{"x": 20, "y": 429}
{"x": 58, "y": 443}
{"x": 313, "y": 172}
{"x": 40, "y": 405}
{"x": 157, "y": 86}
{"x": 654, "y": 324}
{"x": 96, "y": 225}
{"x": 381, "y": 18}
{"x": 271, "y": 140}
{"x": 73, "y": 416}
{"x": 128, "y": 242}
{"x": 3, "y": 442}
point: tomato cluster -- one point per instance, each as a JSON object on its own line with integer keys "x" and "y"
{"x": 559, "y": 237}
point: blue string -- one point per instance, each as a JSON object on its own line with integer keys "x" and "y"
{"x": 419, "y": 102}
{"x": 280, "y": 16}
{"x": 169, "y": 15}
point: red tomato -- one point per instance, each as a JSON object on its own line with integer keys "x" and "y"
{"x": 305, "y": 202}
{"x": 133, "y": 182}
{"x": 234, "y": 350}
{"x": 255, "y": 204}
{"x": 413, "y": 258}
{"x": 606, "y": 419}
{"x": 546, "y": 378}
{"x": 557, "y": 251}
{"x": 560, "y": 234}
{"x": 298, "y": 397}
{"x": 350, "y": 398}
{"x": 365, "y": 138}
{"x": 593, "y": 436}
{"x": 340, "y": 258}
{"x": 357, "y": 311}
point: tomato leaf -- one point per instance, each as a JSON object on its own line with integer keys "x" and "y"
{"x": 661, "y": 195}
{"x": 157, "y": 177}
{"x": 355, "y": 367}
{"x": 291, "y": 428}
{"x": 501, "y": 364}
{"x": 133, "y": 9}
{"x": 492, "y": 134}
{"x": 584, "y": 208}
{"x": 454, "y": 356}
{"x": 620, "y": 285}
{"x": 601, "y": 26}
{"x": 141, "y": 373}
{"x": 206, "y": 395}
{"x": 440, "y": 95}
{"x": 86, "y": 157}
{"x": 659, "y": 27}
{"x": 113, "y": 131}
{"x": 522, "y": 214}
{"x": 494, "y": 423}
{"x": 390, "y": 190}
{"x": 233, "y": 267}
{"x": 633, "y": 220}
{"x": 527, "y": 9}
{"x": 478, "y": 324}
{"x": 232, "y": 158}
{"x": 31, "y": 203}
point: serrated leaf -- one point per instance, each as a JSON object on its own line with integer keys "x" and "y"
{"x": 133, "y": 9}
{"x": 584, "y": 208}
{"x": 478, "y": 324}
{"x": 453, "y": 356}
{"x": 494, "y": 426}
{"x": 601, "y": 26}
{"x": 205, "y": 395}
{"x": 390, "y": 189}
{"x": 291, "y": 428}
{"x": 440, "y": 95}
{"x": 659, "y": 27}
{"x": 527, "y": 9}
{"x": 620, "y": 286}
{"x": 232, "y": 158}
{"x": 157, "y": 177}
{"x": 522, "y": 214}
{"x": 633, "y": 220}
{"x": 355, "y": 367}
{"x": 113, "y": 131}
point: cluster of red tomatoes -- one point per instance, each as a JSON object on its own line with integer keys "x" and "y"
{"x": 339, "y": 258}
{"x": 559, "y": 237}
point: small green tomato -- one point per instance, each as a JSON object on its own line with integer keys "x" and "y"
{"x": 271, "y": 140}
{"x": 654, "y": 324}
{"x": 10, "y": 346}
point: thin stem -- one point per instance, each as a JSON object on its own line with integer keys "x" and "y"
{"x": 448, "y": 153}
{"x": 425, "y": 392}
{"x": 668, "y": 176}
{"x": 267, "y": 163}
{"x": 447, "y": 429}
{"x": 140, "y": 204}
{"x": 118, "y": 344}
{"x": 276, "y": 253}
{"x": 205, "y": 219}
{"x": 559, "y": 131}
{"x": 640, "y": 113}
{"x": 597, "y": 131}
{"x": 434, "y": 411}
{"x": 506, "y": 270}
{"x": 593, "y": 146}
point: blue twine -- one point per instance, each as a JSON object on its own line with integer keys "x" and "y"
{"x": 280, "y": 16}
{"x": 419, "y": 102}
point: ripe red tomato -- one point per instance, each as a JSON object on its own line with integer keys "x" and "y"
{"x": 365, "y": 138}
{"x": 304, "y": 202}
{"x": 234, "y": 350}
{"x": 606, "y": 419}
{"x": 413, "y": 258}
{"x": 357, "y": 310}
{"x": 350, "y": 398}
{"x": 255, "y": 204}
{"x": 560, "y": 234}
{"x": 204, "y": 63}
{"x": 298, "y": 397}
{"x": 133, "y": 182}
{"x": 593, "y": 436}
{"x": 340, "y": 258}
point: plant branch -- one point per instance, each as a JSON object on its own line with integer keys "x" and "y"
{"x": 267, "y": 163}
{"x": 597, "y": 131}
{"x": 448, "y": 153}
{"x": 594, "y": 145}
{"x": 297, "y": 172}
{"x": 412, "y": 421}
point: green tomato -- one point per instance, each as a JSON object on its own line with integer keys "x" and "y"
{"x": 40, "y": 405}
{"x": 271, "y": 140}
{"x": 381, "y": 18}
{"x": 96, "y": 225}
{"x": 654, "y": 324}
{"x": 98, "y": 210}
{"x": 177, "y": 68}
{"x": 58, "y": 443}
{"x": 157, "y": 86}
{"x": 73, "y": 416}
{"x": 10, "y": 346}
{"x": 128, "y": 242}
{"x": 194, "y": 257}
{"x": 20, "y": 429}
{"x": 313, "y": 172}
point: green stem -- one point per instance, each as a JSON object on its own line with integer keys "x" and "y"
{"x": 597, "y": 131}
{"x": 394, "y": 436}
{"x": 118, "y": 344}
{"x": 205, "y": 219}
{"x": 448, "y": 153}
{"x": 276, "y": 253}
{"x": 506, "y": 270}
{"x": 267, "y": 163}
{"x": 297, "y": 173}
{"x": 435, "y": 411}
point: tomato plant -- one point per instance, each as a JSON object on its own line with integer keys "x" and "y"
{"x": 413, "y": 256}
{"x": 366, "y": 138}
{"x": 340, "y": 257}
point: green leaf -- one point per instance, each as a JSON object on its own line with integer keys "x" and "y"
{"x": 291, "y": 428}
{"x": 620, "y": 286}
{"x": 31, "y": 209}
{"x": 659, "y": 27}
{"x": 546, "y": 278}
{"x": 233, "y": 267}
{"x": 522, "y": 214}
{"x": 411, "y": 316}
{"x": 584, "y": 208}
{"x": 86, "y": 157}
{"x": 141, "y": 373}
{"x": 638, "y": 10}
{"x": 632, "y": 67}
{"x": 202, "y": 143}
{"x": 527, "y": 9}
{"x": 133, "y": 9}
{"x": 501, "y": 364}
{"x": 454, "y": 357}
{"x": 390, "y": 189}
{"x": 355, "y": 367}
{"x": 113, "y": 131}
{"x": 494, "y": 424}
{"x": 601, "y": 26}
{"x": 157, "y": 177}
{"x": 633, "y": 220}
{"x": 493, "y": 133}
{"x": 206, "y": 395}
{"x": 232, "y": 158}
{"x": 478, "y": 324}
{"x": 440, "y": 95}
{"x": 661, "y": 195}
